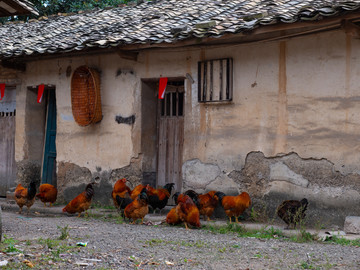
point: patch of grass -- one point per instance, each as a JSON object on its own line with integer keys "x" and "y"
{"x": 64, "y": 232}
{"x": 229, "y": 228}
{"x": 342, "y": 241}
{"x": 303, "y": 237}
{"x": 242, "y": 232}
{"x": 59, "y": 250}
{"x": 258, "y": 255}
{"x": 8, "y": 245}
{"x": 154, "y": 242}
{"x": 306, "y": 265}
{"x": 198, "y": 244}
{"x": 266, "y": 233}
{"x": 11, "y": 248}
{"x": 49, "y": 243}
{"x": 9, "y": 240}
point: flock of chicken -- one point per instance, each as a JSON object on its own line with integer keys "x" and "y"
{"x": 134, "y": 204}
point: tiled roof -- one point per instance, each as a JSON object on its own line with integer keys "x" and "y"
{"x": 16, "y": 7}
{"x": 163, "y": 21}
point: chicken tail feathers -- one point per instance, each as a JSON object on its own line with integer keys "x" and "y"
{"x": 123, "y": 202}
{"x": 175, "y": 196}
{"x": 220, "y": 195}
{"x": 89, "y": 191}
{"x": 169, "y": 187}
{"x": 194, "y": 196}
{"x": 31, "y": 191}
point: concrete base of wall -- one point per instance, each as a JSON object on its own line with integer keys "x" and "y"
{"x": 270, "y": 180}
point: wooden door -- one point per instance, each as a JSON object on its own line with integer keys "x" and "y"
{"x": 171, "y": 137}
{"x": 49, "y": 163}
{"x": 7, "y": 141}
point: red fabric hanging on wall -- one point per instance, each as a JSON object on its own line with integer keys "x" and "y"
{"x": 2, "y": 90}
{"x": 162, "y": 87}
{"x": 40, "y": 93}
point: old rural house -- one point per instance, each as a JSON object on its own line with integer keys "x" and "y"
{"x": 261, "y": 96}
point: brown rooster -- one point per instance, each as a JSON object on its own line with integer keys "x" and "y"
{"x": 205, "y": 202}
{"x": 136, "y": 191}
{"x": 47, "y": 193}
{"x": 188, "y": 211}
{"x": 292, "y": 212}
{"x": 122, "y": 190}
{"x": 139, "y": 208}
{"x": 208, "y": 203}
{"x": 81, "y": 202}
{"x": 234, "y": 206}
{"x": 25, "y": 196}
{"x": 172, "y": 217}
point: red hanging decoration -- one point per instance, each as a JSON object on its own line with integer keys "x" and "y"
{"x": 40, "y": 93}
{"x": 2, "y": 90}
{"x": 162, "y": 87}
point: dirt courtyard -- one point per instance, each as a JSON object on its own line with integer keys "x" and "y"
{"x": 50, "y": 241}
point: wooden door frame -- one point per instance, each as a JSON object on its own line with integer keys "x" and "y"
{"x": 169, "y": 89}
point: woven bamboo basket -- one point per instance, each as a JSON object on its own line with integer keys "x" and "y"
{"x": 85, "y": 96}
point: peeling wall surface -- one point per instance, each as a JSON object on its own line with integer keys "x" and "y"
{"x": 296, "y": 96}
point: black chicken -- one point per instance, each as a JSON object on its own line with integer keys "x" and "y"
{"x": 158, "y": 198}
{"x": 194, "y": 196}
{"x": 292, "y": 212}
{"x": 123, "y": 200}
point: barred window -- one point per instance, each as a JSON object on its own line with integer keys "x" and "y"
{"x": 215, "y": 80}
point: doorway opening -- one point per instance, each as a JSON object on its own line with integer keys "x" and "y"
{"x": 163, "y": 133}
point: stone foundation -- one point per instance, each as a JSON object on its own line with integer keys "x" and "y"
{"x": 72, "y": 180}
{"x": 270, "y": 180}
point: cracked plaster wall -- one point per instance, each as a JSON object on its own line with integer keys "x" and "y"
{"x": 270, "y": 180}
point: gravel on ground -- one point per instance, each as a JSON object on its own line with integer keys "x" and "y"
{"x": 33, "y": 240}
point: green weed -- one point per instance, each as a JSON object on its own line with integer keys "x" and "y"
{"x": 342, "y": 241}
{"x": 64, "y": 232}
{"x": 49, "y": 243}
{"x": 154, "y": 242}
{"x": 306, "y": 265}
{"x": 9, "y": 243}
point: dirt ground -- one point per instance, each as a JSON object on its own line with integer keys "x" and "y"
{"x": 33, "y": 240}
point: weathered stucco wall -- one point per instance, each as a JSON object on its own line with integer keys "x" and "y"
{"x": 298, "y": 95}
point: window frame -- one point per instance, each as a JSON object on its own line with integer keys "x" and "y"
{"x": 206, "y": 80}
